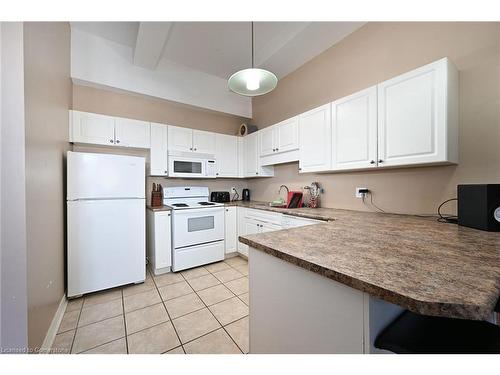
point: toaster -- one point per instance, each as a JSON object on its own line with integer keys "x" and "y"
{"x": 220, "y": 196}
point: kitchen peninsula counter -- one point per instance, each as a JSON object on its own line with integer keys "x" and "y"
{"x": 417, "y": 263}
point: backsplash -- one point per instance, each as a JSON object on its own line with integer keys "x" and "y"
{"x": 212, "y": 184}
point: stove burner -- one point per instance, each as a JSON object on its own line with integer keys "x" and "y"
{"x": 180, "y": 205}
{"x": 206, "y": 203}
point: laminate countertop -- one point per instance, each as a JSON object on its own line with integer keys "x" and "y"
{"x": 159, "y": 208}
{"x": 424, "y": 266}
{"x": 325, "y": 214}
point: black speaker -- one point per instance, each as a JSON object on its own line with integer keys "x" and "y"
{"x": 479, "y": 206}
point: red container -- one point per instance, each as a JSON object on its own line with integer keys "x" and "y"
{"x": 294, "y": 199}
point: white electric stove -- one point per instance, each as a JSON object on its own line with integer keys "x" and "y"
{"x": 197, "y": 227}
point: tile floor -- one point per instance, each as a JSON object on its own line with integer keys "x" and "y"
{"x": 201, "y": 310}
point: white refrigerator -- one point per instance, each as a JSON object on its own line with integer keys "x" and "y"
{"x": 105, "y": 221}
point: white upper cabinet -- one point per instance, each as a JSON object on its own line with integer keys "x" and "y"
{"x": 279, "y": 138}
{"x": 180, "y": 139}
{"x": 250, "y": 155}
{"x": 267, "y": 139}
{"x": 418, "y": 117}
{"x": 287, "y": 135}
{"x": 92, "y": 128}
{"x": 226, "y": 154}
{"x": 354, "y": 131}
{"x": 241, "y": 157}
{"x": 132, "y": 133}
{"x": 315, "y": 139}
{"x": 204, "y": 142}
{"x": 251, "y": 160}
{"x": 107, "y": 130}
{"x": 189, "y": 140}
{"x": 159, "y": 150}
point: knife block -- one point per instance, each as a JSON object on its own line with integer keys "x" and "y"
{"x": 156, "y": 199}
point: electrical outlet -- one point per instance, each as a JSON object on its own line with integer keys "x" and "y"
{"x": 361, "y": 192}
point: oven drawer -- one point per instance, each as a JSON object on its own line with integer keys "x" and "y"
{"x": 197, "y": 226}
{"x": 194, "y": 256}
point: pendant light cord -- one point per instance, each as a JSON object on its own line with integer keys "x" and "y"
{"x": 252, "y": 44}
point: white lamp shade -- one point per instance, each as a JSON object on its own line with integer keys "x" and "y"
{"x": 252, "y": 82}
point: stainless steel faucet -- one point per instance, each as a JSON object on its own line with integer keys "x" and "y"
{"x": 286, "y": 187}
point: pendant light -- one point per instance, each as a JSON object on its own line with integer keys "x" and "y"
{"x": 252, "y": 81}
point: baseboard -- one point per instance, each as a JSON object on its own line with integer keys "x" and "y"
{"x": 54, "y": 325}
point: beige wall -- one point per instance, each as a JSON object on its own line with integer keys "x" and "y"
{"x": 123, "y": 104}
{"x": 138, "y": 107}
{"x": 48, "y": 97}
{"x": 374, "y": 53}
{"x": 13, "y": 299}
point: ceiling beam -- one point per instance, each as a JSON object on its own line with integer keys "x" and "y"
{"x": 151, "y": 40}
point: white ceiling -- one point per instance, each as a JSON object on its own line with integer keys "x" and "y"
{"x": 221, "y": 48}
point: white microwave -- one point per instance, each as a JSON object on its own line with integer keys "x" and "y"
{"x": 191, "y": 165}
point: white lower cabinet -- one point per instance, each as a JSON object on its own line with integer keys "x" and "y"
{"x": 158, "y": 163}
{"x": 240, "y": 214}
{"x": 288, "y": 221}
{"x": 231, "y": 230}
{"x": 159, "y": 241}
{"x": 252, "y": 221}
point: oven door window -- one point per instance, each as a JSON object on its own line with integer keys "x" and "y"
{"x": 187, "y": 166}
{"x": 196, "y": 224}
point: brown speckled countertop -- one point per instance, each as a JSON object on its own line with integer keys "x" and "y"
{"x": 422, "y": 265}
{"x": 325, "y": 214}
{"x": 160, "y": 208}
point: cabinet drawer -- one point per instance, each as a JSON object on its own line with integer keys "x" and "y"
{"x": 266, "y": 216}
{"x": 289, "y": 221}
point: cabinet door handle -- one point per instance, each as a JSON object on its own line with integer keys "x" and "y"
{"x": 110, "y": 141}
{"x": 277, "y": 149}
{"x": 190, "y": 148}
{"x": 372, "y": 161}
{"x": 300, "y": 169}
{"x": 117, "y": 141}
{"x": 195, "y": 149}
{"x": 380, "y": 161}
{"x": 166, "y": 172}
{"x": 274, "y": 149}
